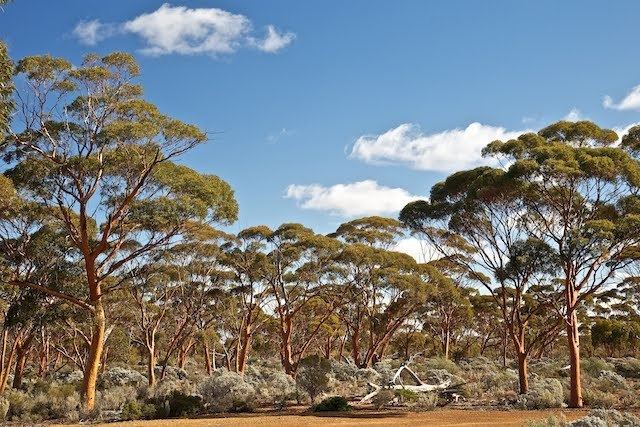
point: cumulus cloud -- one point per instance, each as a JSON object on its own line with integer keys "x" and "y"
{"x": 274, "y": 41}
{"x": 353, "y": 199}
{"x": 92, "y": 32}
{"x": 421, "y": 250}
{"x": 446, "y": 151}
{"x": 630, "y": 102}
{"x": 186, "y": 31}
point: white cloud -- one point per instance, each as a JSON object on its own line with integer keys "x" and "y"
{"x": 92, "y": 32}
{"x": 185, "y": 31}
{"x": 446, "y": 151}
{"x": 350, "y": 200}
{"x": 574, "y": 115}
{"x": 629, "y": 102}
{"x": 623, "y": 130}
{"x": 274, "y": 41}
{"x": 419, "y": 249}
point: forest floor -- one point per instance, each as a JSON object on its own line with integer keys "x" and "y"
{"x": 365, "y": 417}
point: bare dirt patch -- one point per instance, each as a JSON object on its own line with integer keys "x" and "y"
{"x": 444, "y": 417}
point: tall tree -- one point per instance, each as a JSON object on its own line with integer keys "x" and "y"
{"x": 474, "y": 220}
{"x": 579, "y": 196}
{"x": 90, "y": 150}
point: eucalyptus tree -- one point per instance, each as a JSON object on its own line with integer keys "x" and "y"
{"x": 383, "y": 287}
{"x": 579, "y": 195}
{"x": 446, "y": 314}
{"x": 248, "y": 283}
{"x": 304, "y": 274}
{"x": 474, "y": 219}
{"x": 87, "y": 148}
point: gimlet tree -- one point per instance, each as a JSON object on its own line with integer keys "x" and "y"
{"x": 90, "y": 150}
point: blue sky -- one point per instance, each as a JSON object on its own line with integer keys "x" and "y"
{"x": 369, "y": 101}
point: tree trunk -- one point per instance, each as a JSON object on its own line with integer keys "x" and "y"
{"x": 523, "y": 372}
{"x": 243, "y": 352}
{"x": 151, "y": 365}
{"x": 447, "y": 343}
{"x": 573, "y": 336}
{"x": 287, "y": 356}
{"x": 207, "y": 356}
{"x": 95, "y": 355}
{"x": 22, "y": 352}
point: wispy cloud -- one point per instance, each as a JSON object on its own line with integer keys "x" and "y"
{"x": 445, "y": 151}
{"x": 630, "y": 102}
{"x": 186, "y": 31}
{"x": 352, "y": 199}
{"x": 277, "y": 136}
{"x": 93, "y": 32}
{"x": 274, "y": 41}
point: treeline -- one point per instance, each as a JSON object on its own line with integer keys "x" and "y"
{"x": 111, "y": 252}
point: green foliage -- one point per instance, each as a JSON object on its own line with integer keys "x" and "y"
{"x": 313, "y": 375}
{"x": 181, "y": 404}
{"x": 333, "y": 404}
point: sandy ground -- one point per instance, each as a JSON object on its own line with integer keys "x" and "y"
{"x": 444, "y": 417}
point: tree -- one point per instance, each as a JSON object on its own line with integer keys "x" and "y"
{"x": 303, "y": 277}
{"x": 579, "y": 196}
{"x": 474, "y": 220}
{"x": 446, "y": 312}
{"x": 99, "y": 159}
{"x": 382, "y": 288}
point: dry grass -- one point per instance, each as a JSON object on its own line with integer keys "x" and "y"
{"x": 443, "y": 417}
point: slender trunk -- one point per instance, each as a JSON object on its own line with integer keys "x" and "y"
{"x": 243, "y": 352}
{"x": 575, "y": 389}
{"x": 447, "y": 343}
{"x": 207, "y": 356}
{"x": 523, "y": 372}
{"x": 95, "y": 355}
{"x": 151, "y": 365}
{"x": 504, "y": 346}
{"x": 8, "y": 362}
{"x": 287, "y": 356}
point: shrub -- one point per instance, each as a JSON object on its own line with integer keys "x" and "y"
{"x": 543, "y": 393}
{"x": 132, "y": 410}
{"x": 627, "y": 367}
{"x": 121, "y": 376}
{"x": 406, "y": 396}
{"x": 227, "y": 392}
{"x": 384, "y": 397}
{"x": 272, "y": 385}
{"x": 4, "y": 408}
{"x": 348, "y": 380}
{"x": 594, "y": 366}
{"x": 440, "y": 363}
{"x": 114, "y": 398}
{"x": 60, "y": 401}
{"x": 602, "y": 418}
{"x": 70, "y": 377}
{"x": 425, "y": 401}
{"x": 313, "y": 375}
{"x": 181, "y": 404}
{"x": 332, "y": 404}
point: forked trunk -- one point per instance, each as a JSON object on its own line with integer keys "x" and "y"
{"x": 21, "y": 359}
{"x": 95, "y": 355}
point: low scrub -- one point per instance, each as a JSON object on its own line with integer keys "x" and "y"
{"x": 332, "y": 404}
